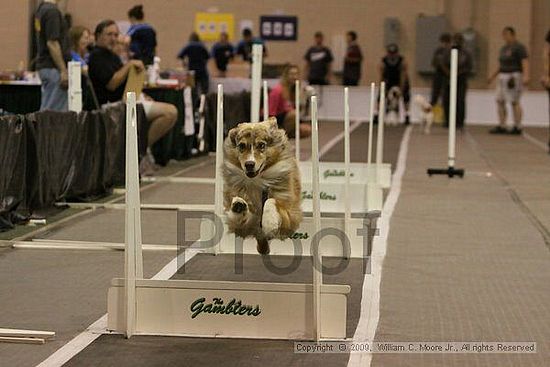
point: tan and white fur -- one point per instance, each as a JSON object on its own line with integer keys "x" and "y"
{"x": 427, "y": 115}
{"x": 393, "y": 100}
{"x": 258, "y": 159}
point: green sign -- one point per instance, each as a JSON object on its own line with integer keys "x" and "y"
{"x": 336, "y": 173}
{"x": 323, "y": 195}
{"x": 299, "y": 236}
{"x": 234, "y": 307}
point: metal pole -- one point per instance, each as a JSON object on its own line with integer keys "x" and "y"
{"x": 371, "y": 118}
{"x": 266, "y": 102}
{"x": 297, "y": 120}
{"x": 257, "y": 51}
{"x": 452, "y": 107}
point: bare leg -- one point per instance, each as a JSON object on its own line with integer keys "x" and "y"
{"x": 289, "y": 126}
{"x": 162, "y": 117}
{"x": 502, "y": 113}
{"x": 518, "y": 113}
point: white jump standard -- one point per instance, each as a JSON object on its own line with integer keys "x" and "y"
{"x": 378, "y": 173}
{"x": 451, "y": 171}
{"x": 218, "y": 308}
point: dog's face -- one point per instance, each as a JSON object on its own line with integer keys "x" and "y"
{"x": 255, "y": 146}
{"x": 394, "y": 93}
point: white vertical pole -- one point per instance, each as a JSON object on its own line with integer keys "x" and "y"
{"x": 75, "y": 88}
{"x": 297, "y": 119}
{"x": 133, "y": 260}
{"x": 266, "y": 101}
{"x": 380, "y": 135}
{"x": 218, "y": 185}
{"x": 316, "y": 260}
{"x": 200, "y": 136}
{"x": 371, "y": 117}
{"x": 347, "y": 198}
{"x": 257, "y": 52}
{"x": 452, "y": 107}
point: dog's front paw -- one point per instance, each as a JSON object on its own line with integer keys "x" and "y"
{"x": 238, "y": 205}
{"x": 271, "y": 220}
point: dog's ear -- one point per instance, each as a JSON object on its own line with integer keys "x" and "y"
{"x": 272, "y": 123}
{"x": 233, "y": 135}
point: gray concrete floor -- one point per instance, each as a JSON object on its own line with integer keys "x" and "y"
{"x": 466, "y": 261}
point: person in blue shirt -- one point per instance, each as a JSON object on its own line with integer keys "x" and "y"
{"x": 143, "y": 38}
{"x": 81, "y": 44}
{"x": 244, "y": 47}
{"x": 79, "y": 38}
{"x": 222, "y": 52}
{"x": 195, "y": 56}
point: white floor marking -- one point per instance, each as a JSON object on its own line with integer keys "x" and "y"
{"x": 95, "y": 330}
{"x": 332, "y": 142}
{"x": 535, "y": 141}
{"x": 370, "y": 299}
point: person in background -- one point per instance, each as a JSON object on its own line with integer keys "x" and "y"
{"x": 195, "y": 55}
{"x": 143, "y": 38}
{"x": 222, "y": 52}
{"x": 282, "y": 102}
{"x": 546, "y": 77}
{"x": 80, "y": 42}
{"x": 352, "y": 61}
{"x": 244, "y": 47}
{"x": 109, "y": 76}
{"x": 52, "y": 56}
{"x": 79, "y": 37}
{"x": 439, "y": 70}
{"x": 318, "y": 62}
{"x": 512, "y": 73}
{"x": 393, "y": 71}
{"x": 463, "y": 72}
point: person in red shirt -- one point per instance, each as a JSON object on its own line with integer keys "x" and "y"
{"x": 281, "y": 103}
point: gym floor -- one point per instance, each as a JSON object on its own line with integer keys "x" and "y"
{"x": 463, "y": 260}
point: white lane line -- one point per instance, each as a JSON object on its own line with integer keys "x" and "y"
{"x": 332, "y": 142}
{"x": 370, "y": 296}
{"x": 535, "y": 141}
{"x": 95, "y": 330}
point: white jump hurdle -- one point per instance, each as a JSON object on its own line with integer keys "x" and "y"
{"x": 356, "y": 226}
{"x": 361, "y": 181}
{"x": 218, "y": 308}
{"x": 372, "y": 173}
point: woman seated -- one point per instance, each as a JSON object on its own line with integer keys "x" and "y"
{"x": 282, "y": 103}
{"x": 80, "y": 43}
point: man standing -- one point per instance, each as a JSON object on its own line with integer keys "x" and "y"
{"x": 393, "y": 71}
{"x": 352, "y": 62}
{"x": 439, "y": 69}
{"x": 222, "y": 52}
{"x": 244, "y": 47}
{"x": 512, "y": 73}
{"x": 318, "y": 62}
{"x": 195, "y": 56}
{"x": 53, "y": 55}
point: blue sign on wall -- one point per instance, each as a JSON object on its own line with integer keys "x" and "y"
{"x": 279, "y": 28}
